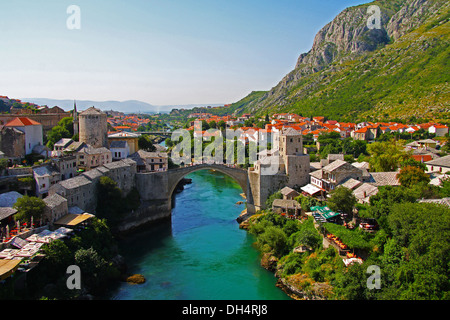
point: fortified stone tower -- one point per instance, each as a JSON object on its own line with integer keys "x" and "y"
{"x": 296, "y": 163}
{"x": 93, "y": 127}
{"x": 293, "y": 169}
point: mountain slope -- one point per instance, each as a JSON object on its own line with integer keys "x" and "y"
{"x": 353, "y": 73}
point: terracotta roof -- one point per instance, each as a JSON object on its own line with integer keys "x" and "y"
{"x": 21, "y": 122}
{"x": 362, "y": 130}
{"x": 422, "y": 157}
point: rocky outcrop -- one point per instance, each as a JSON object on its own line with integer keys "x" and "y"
{"x": 410, "y": 16}
{"x": 315, "y": 291}
{"x": 346, "y": 34}
{"x": 136, "y": 279}
{"x": 269, "y": 262}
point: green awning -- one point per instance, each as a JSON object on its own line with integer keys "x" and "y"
{"x": 325, "y": 212}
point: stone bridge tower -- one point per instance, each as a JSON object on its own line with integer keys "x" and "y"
{"x": 93, "y": 127}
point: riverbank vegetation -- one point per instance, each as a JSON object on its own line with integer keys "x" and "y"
{"x": 411, "y": 248}
{"x": 92, "y": 248}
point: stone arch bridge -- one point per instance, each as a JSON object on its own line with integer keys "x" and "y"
{"x": 237, "y": 174}
{"x": 156, "y": 190}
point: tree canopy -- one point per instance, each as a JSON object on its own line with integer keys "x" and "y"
{"x": 387, "y": 156}
{"x": 342, "y": 200}
{"x": 28, "y": 207}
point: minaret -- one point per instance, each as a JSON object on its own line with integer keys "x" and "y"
{"x": 75, "y": 118}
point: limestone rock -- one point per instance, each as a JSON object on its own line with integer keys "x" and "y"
{"x": 136, "y": 279}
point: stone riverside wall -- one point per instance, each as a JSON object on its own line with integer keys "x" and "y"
{"x": 262, "y": 186}
{"x": 155, "y": 204}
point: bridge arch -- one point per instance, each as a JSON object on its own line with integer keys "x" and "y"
{"x": 237, "y": 174}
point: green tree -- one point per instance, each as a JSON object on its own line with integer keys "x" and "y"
{"x": 146, "y": 144}
{"x": 95, "y": 270}
{"x": 109, "y": 200}
{"x": 222, "y": 125}
{"x": 411, "y": 175}
{"x": 308, "y": 238}
{"x": 342, "y": 200}
{"x": 387, "y": 155}
{"x": 445, "y": 187}
{"x": 269, "y": 201}
{"x": 3, "y": 164}
{"x": 28, "y": 207}
{"x": 56, "y": 134}
{"x": 64, "y": 129}
{"x": 414, "y": 163}
{"x": 274, "y": 239}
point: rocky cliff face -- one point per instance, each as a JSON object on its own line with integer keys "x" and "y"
{"x": 344, "y": 39}
{"x": 411, "y": 15}
{"x": 346, "y": 34}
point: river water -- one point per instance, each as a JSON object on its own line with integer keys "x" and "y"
{"x": 201, "y": 254}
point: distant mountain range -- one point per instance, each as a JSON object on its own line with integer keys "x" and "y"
{"x": 129, "y": 106}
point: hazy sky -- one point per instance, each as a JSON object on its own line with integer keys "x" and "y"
{"x": 164, "y": 52}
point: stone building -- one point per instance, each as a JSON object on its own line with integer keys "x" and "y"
{"x": 132, "y": 139}
{"x": 66, "y": 165}
{"x": 91, "y": 157}
{"x": 12, "y": 143}
{"x": 334, "y": 174}
{"x": 123, "y": 172}
{"x": 150, "y": 161}
{"x": 119, "y": 149}
{"x": 93, "y": 127}
{"x": 32, "y": 130}
{"x": 294, "y": 163}
{"x": 81, "y": 191}
{"x": 46, "y": 119}
{"x": 60, "y": 146}
{"x": 55, "y": 207}
{"x": 45, "y": 177}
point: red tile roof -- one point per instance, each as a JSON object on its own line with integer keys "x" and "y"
{"x": 422, "y": 158}
{"x": 22, "y": 122}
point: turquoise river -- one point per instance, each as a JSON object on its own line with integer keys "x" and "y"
{"x": 201, "y": 254}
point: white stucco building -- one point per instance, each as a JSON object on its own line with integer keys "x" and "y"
{"x": 32, "y": 129}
